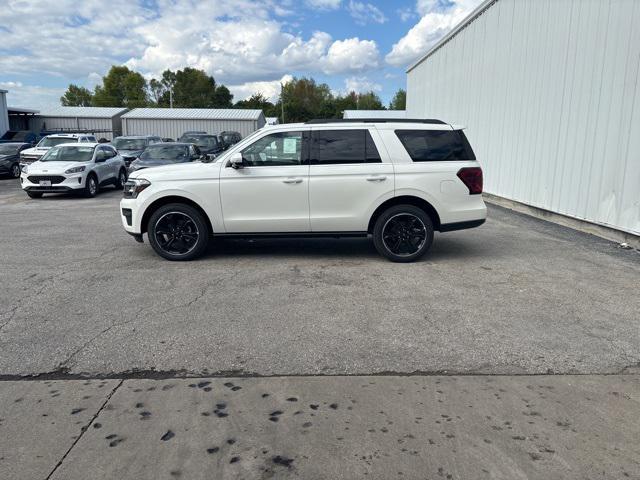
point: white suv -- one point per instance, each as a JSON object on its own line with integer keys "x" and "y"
{"x": 396, "y": 180}
{"x": 74, "y": 167}
{"x": 34, "y": 154}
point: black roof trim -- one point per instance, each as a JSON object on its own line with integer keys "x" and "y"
{"x": 376, "y": 120}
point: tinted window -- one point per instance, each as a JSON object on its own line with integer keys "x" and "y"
{"x": 68, "y": 154}
{"x": 343, "y": 146}
{"x": 436, "y": 145}
{"x": 284, "y": 148}
{"x": 176, "y": 153}
{"x": 130, "y": 143}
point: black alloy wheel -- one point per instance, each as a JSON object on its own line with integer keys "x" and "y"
{"x": 403, "y": 233}
{"x": 178, "y": 232}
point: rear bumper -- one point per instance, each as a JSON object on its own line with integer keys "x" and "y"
{"x": 451, "y": 227}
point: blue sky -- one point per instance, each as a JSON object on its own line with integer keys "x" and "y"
{"x": 249, "y": 45}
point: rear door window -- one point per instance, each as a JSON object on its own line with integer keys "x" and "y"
{"x": 343, "y": 146}
{"x": 436, "y": 145}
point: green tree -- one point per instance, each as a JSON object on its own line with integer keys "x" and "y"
{"x": 76, "y": 96}
{"x": 399, "y": 100}
{"x": 369, "y": 101}
{"x": 223, "y": 98}
{"x": 257, "y": 101}
{"x": 121, "y": 87}
{"x": 191, "y": 88}
{"x": 304, "y": 99}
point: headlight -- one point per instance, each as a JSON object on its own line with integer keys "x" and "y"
{"x": 74, "y": 170}
{"x": 24, "y": 167}
{"x": 134, "y": 186}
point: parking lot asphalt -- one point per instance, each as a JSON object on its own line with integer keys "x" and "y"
{"x": 515, "y": 296}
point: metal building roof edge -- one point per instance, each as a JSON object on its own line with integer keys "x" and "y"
{"x": 154, "y": 113}
{"x": 61, "y": 111}
{"x": 479, "y": 10}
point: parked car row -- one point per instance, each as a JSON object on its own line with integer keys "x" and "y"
{"x": 79, "y": 163}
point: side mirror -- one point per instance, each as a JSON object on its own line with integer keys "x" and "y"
{"x": 236, "y": 161}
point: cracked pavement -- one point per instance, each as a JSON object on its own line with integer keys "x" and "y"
{"x": 337, "y": 363}
{"x": 515, "y": 296}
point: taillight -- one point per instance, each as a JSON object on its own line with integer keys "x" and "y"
{"x": 472, "y": 178}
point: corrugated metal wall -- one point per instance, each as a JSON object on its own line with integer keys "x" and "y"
{"x": 174, "y": 128}
{"x": 85, "y": 124}
{"x": 550, "y": 93}
{"x": 4, "y": 115}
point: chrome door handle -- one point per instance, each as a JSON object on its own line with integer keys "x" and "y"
{"x": 376, "y": 178}
{"x": 292, "y": 180}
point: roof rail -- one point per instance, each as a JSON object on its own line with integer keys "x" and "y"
{"x": 376, "y": 120}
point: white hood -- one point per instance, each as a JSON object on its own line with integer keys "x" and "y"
{"x": 51, "y": 168}
{"x": 36, "y": 151}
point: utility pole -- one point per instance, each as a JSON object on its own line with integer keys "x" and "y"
{"x": 282, "y": 100}
{"x": 171, "y": 97}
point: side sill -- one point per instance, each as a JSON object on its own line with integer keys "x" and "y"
{"x": 290, "y": 235}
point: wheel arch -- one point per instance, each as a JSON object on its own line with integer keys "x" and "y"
{"x": 405, "y": 200}
{"x": 160, "y": 202}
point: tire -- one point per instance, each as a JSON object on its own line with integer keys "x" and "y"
{"x": 35, "y": 194}
{"x": 403, "y": 233}
{"x": 15, "y": 170}
{"x": 122, "y": 177}
{"x": 178, "y": 232}
{"x": 90, "y": 189}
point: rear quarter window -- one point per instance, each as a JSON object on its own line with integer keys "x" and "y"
{"x": 436, "y": 145}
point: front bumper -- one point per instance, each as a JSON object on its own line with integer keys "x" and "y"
{"x": 69, "y": 183}
{"x": 129, "y": 216}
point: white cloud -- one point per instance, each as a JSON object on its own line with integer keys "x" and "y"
{"x": 324, "y": 4}
{"x": 406, "y": 14}
{"x": 270, "y": 89}
{"x": 351, "y": 55}
{"x": 364, "y": 13}
{"x": 236, "y": 41}
{"x": 361, "y": 85}
{"x": 31, "y": 96}
{"x": 438, "y": 18}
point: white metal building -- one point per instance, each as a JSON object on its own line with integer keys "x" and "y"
{"x": 4, "y": 114}
{"x": 104, "y": 121}
{"x": 173, "y": 122}
{"x": 386, "y": 114}
{"x": 550, "y": 93}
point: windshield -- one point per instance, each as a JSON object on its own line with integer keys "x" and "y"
{"x": 8, "y": 149}
{"x": 69, "y": 153}
{"x": 173, "y": 153}
{"x": 53, "y": 141}
{"x": 203, "y": 142}
{"x": 130, "y": 143}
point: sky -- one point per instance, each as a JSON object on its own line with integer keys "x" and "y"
{"x": 250, "y": 46}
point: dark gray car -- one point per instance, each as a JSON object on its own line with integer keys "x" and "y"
{"x": 131, "y": 147}
{"x": 10, "y": 158}
{"x": 166, "y": 153}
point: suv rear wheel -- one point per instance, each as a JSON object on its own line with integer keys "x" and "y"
{"x": 178, "y": 232}
{"x": 403, "y": 233}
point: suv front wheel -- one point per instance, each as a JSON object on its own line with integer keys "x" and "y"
{"x": 403, "y": 233}
{"x": 178, "y": 232}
